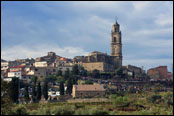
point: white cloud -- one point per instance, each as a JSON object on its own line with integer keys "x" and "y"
{"x": 164, "y": 19}
{"x": 21, "y": 51}
{"x": 141, "y": 5}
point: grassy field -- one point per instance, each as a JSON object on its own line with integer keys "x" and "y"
{"x": 146, "y": 103}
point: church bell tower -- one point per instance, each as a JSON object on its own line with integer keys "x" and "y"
{"x": 116, "y": 44}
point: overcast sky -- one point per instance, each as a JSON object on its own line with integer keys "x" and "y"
{"x": 31, "y": 29}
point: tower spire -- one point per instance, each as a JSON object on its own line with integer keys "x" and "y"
{"x": 116, "y": 18}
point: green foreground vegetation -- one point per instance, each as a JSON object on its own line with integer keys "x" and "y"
{"x": 146, "y": 103}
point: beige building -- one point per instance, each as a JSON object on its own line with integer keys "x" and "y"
{"x": 17, "y": 74}
{"x": 64, "y": 68}
{"x": 101, "y": 66}
{"x": 130, "y": 69}
{"x": 86, "y": 91}
{"x": 41, "y": 64}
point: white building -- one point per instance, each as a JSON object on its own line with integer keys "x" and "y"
{"x": 8, "y": 64}
{"x": 41, "y": 64}
{"x": 15, "y": 74}
{"x": 64, "y": 68}
{"x": 7, "y": 79}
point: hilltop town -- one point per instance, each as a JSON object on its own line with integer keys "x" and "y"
{"x": 54, "y": 78}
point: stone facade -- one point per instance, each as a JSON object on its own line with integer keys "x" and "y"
{"x": 135, "y": 69}
{"x": 85, "y": 91}
{"x": 101, "y": 66}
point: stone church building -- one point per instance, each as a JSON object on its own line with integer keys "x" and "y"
{"x": 101, "y": 61}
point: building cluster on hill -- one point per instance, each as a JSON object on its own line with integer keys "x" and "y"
{"x": 50, "y": 64}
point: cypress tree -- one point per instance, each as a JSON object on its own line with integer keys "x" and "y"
{"x": 69, "y": 86}
{"x": 67, "y": 75}
{"x": 75, "y": 69}
{"x": 133, "y": 74}
{"x": 59, "y": 73}
{"x": 39, "y": 94}
{"x": 45, "y": 90}
{"x": 14, "y": 91}
{"x": 61, "y": 88}
{"x": 26, "y": 94}
{"x": 34, "y": 93}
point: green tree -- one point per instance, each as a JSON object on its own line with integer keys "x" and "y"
{"x": 6, "y": 102}
{"x": 133, "y": 75}
{"x": 45, "y": 90}
{"x": 69, "y": 87}
{"x": 50, "y": 78}
{"x": 119, "y": 71}
{"x": 75, "y": 69}
{"x": 75, "y": 79}
{"x": 34, "y": 79}
{"x": 82, "y": 71}
{"x": 88, "y": 82}
{"x": 95, "y": 73}
{"x": 14, "y": 93}
{"x": 67, "y": 74}
{"x": 34, "y": 93}
{"x": 59, "y": 73}
{"x": 61, "y": 88}
{"x": 26, "y": 94}
{"x": 39, "y": 93}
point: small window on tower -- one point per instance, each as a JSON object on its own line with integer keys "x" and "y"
{"x": 114, "y": 39}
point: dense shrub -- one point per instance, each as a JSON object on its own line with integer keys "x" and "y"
{"x": 19, "y": 110}
{"x": 96, "y": 111}
{"x": 33, "y": 112}
{"x": 81, "y": 112}
{"x": 154, "y": 98}
{"x": 168, "y": 98}
{"x": 63, "y": 110}
{"x": 121, "y": 101}
{"x": 113, "y": 96}
{"x": 43, "y": 111}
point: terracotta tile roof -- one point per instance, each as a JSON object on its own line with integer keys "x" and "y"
{"x": 89, "y": 87}
{"x": 63, "y": 59}
{"x": 19, "y": 66}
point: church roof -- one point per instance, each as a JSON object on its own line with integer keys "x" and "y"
{"x": 95, "y": 53}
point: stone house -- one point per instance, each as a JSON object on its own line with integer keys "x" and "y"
{"x": 87, "y": 91}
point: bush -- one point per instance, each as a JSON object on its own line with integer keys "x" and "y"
{"x": 33, "y": 112}
{"x": 63, "y": 110}
{"x": 96, "y": 111}
{"x": 113, "y": 96}
{"x": 19, "y": 110}
{"x": 43, "y": 111}
{"x": 154, "y": 98}
{"x": 168, "y": 98}
{"x": 81, "y": 112}
{"x": 121, "y": 101}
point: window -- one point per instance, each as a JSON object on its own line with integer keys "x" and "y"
{"x": 114, "y": 39}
